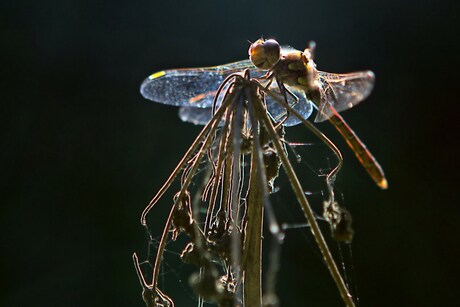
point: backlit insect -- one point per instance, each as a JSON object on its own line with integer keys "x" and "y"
{"x": 283, "y": 70}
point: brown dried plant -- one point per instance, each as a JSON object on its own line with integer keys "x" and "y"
{"x": 226, "y": 248}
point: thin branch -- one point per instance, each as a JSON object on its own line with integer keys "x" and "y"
{"x": 298, "y": 190}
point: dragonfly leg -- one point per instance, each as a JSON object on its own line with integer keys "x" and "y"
{"x": 285, "y": 91}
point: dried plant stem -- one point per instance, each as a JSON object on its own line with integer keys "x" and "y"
{"x": 252, "y": 251}
{"x": 234, "y": 153}
{"x": 269, "y": 296}
{"x": 332, "y": 174}
{"x": 161, "y": 247}
{"x": 244, "y": 110}
{"x": 205, "y": 137}
{"x": 217, "y": 173}
{"x": 211, "y": 126}
{"x": 298, "y": 190}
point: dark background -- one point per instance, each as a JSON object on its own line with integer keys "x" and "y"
{"x": 82, "y": 152}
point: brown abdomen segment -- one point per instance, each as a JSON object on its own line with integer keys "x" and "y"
{"x": 364, "y": 156}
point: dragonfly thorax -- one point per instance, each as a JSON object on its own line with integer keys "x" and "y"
{"x": 296, "y": 70}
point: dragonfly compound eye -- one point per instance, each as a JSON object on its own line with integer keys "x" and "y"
{"x": 264, "y": 54}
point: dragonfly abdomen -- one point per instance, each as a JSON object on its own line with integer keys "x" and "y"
{"x": 364, "y": 156}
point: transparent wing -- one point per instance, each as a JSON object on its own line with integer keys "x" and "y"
{"x": 197, "y": 116}
{"x": 301, "y": 105}
{"x": 343, "y": 91}
{"x": 191, "y": 87}
{"x": 201, "y": 116}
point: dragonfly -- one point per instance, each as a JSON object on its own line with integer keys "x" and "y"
{"x": 289, "y": 73}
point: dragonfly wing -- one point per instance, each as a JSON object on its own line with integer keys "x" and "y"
{"x": 303, "y": 106}
{"x": 341, "y": 92}
{"x": 195, "y": 87}
{"x": 201, "y": 116}
{"x": 197, "y": 116}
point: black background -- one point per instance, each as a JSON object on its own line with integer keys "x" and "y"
{"x": 82, "y": 152}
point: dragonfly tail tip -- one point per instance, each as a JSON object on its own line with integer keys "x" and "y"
{"x": 383, "y": 184}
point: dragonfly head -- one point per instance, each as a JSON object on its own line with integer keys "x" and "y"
{"x": 264, "y": 54}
